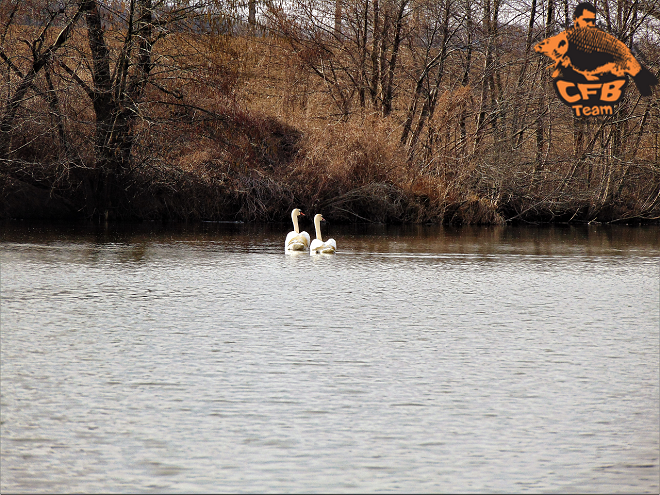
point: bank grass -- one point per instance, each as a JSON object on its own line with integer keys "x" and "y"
{"x": 349, "y": 173}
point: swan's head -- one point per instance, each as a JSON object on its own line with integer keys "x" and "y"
{"x": 296, "y": 212}
{"x": 318, "y": 218}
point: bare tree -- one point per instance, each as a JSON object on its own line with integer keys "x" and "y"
{"x": 362, "y": 60}
{"x": 252, "y": 12}
{"x": 40, "y": 58}
{"x": 427, "y": 86}
{"x": 117, "y": 71}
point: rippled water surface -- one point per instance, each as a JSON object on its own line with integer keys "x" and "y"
{"x": 418, "y": 359}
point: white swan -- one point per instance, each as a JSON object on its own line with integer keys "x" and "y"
{"x": 318, "y": 246}
{"x": 296, "y": 240}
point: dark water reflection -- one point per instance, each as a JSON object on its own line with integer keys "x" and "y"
{"x": 546, "y": 240}
{"x": 418, "y": 359}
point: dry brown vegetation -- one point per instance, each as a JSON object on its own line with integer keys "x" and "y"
{"x": 454, "y": 121}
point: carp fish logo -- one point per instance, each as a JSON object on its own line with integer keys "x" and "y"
{"x": 591, "y": 66}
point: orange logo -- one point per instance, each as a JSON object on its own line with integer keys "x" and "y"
{"x": 591, "y": 66}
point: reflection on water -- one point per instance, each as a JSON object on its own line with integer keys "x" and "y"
{"x": 418, "y": 358}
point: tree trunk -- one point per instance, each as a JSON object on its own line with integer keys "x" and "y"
{"x": 252, "y": 12}
{"x": 490, "y": 22}
{"x": 466, "y": 74}
{"x": 54, "y": 106}
{"x": 543, "y": 99}
{"x": 114, "y": 100}
{"x": 375, "y": 73}
{"x": 517, "y": 125}
{"x": 389, "y": 81}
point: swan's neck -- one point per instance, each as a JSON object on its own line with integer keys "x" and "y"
{"x": 317, "y": 224}
{"x": 295, "y": 224}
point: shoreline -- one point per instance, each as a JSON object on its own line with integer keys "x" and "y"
{"x": 26, "y": 202}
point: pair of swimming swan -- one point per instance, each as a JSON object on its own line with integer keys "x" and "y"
{"x": 300, "y": 241}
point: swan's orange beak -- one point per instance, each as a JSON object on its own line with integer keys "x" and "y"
{"x": 302, "y": 214}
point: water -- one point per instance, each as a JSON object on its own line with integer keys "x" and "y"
{"x": 417, "y": 359}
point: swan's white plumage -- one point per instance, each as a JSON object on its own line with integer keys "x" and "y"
{"x": 318, "y": 246}
{"x": 296, "y": 240}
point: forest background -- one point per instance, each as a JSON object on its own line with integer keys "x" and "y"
{"x": 363, "y": 110}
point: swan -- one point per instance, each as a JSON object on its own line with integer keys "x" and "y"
{"x": 318, "y": 246}
{"x": 296, "y": 240}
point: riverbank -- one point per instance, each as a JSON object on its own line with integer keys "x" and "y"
{"x": 349, "y": 173}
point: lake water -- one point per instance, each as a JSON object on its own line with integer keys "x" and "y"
{"x": 416, "y": 359}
